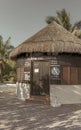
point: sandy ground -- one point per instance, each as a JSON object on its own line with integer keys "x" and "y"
{"x": 20, "y": 115}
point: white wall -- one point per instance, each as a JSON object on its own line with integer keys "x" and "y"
{"x": 65, "y": 94}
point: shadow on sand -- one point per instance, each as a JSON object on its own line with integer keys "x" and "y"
{"x": 19, "y": 115}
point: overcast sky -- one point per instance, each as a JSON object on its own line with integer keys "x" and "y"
{"x": 20, "y": 19}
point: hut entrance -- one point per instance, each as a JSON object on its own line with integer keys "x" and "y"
{"x": 40, "y": 78}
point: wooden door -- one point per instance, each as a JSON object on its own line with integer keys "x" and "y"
{"x": 40, "y": 77}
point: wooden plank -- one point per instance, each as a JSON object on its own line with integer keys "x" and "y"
{"x": 79, "y": 75}
{"x": 21, "y": 74}
{"x": 74, "y": 75}
{"x": 66, "y": 75}
{"x": 18, "y": 74}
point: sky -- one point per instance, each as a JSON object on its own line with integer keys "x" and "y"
{"x": 20, "y": 19}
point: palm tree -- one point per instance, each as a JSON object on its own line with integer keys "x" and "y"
{"x": 3, "y": 53}
{"x": 76, "y": 30}
{"x": 78, "y": 24}
{"x": 8, "y": 45}
{"x": 62, "y": 18}
{"x": 1, "y": 68}
{"x": 7, "y": 67}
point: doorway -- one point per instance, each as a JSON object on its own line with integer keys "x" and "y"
{"x": 40, "y": 78}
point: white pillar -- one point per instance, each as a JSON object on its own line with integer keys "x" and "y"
{"x": 23, "y": 91}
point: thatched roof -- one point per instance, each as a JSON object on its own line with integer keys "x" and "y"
{"x": 53, "y": 38}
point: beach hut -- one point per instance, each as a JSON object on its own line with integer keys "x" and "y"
{"x": 49, "y": 65}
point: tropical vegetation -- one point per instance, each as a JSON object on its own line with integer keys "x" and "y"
{"x": 63, "y": 18}
{"x": 7, "y": 66}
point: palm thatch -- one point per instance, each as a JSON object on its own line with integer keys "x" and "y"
{"x": 53, "y": 38}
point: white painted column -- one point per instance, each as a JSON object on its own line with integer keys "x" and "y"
{"x": 23, "y": 91}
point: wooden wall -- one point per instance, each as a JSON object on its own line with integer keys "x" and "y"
{"x": 23, "y": 70}
{"x": 68, "y": 69}
{"x": 67, "y": 66}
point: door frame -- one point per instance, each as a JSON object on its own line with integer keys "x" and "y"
{"x": 40, "y": 60}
